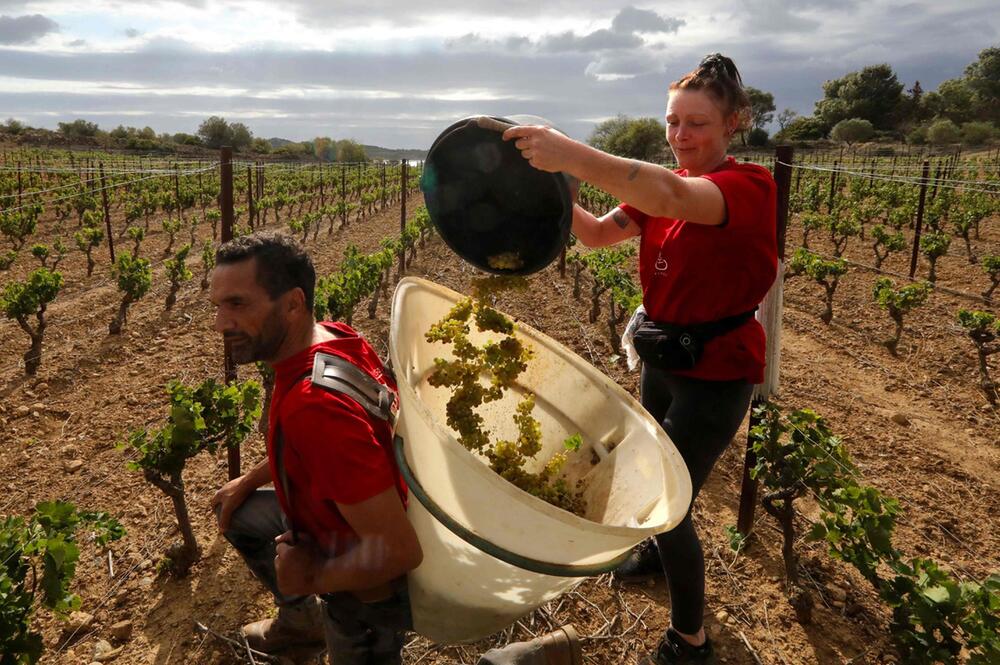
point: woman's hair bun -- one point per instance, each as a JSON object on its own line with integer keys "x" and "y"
{"x": 717, "y": 75}
{"x": 721, "y": 66}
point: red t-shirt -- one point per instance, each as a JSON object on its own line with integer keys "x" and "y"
{"x": 695, "y": 273}
{"x": 334, "y": 451}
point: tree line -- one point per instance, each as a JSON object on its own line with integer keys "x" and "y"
{"x": 213, "y": 133}
{"x": 873, "y": 103}
{"x": 868, "y": 104}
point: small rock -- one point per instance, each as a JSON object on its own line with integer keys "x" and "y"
{"x": 36, "y": 415}
{"x": 42, "y": 387}
{"x": 900, "y": 419}
{"x": 103, "y": 651}
{"x": 145, "y": 564}
{"x": 722, "y": 616}
{"x": 72, "y": 466}
{"x": 28, "y": 393}
{"x": 146, "y": 582}
{"x": 21, "y": 411}
{"x": 836, "y": 592}
{"x": 839, "y": 604}
{"x": 68, "y": 450}
{"x": 37, "y": 406}
{"x": 122, "y": 630}
{"x": 78, "y": 621}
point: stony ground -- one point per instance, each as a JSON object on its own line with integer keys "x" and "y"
{"x": 916, "y": 424}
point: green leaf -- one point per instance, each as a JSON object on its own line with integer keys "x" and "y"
{"x": 938, "y": 594}
{"x": 573, "y": 443}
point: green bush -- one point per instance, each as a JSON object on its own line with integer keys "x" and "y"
{"x": 943, "y": 132}
{"x": 977, "y": 133}
{"x": 757, "y": 137}
{"x": 917, "y": 136}
{"x": 852, "y": 130}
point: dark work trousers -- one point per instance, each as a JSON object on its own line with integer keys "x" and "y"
{"x": 701, "y": 418}
{"x": 356, "y": 633}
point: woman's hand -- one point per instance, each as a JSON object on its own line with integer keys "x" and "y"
{"x": 545, "y": 148}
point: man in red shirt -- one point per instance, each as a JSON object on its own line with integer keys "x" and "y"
{"x": 335, "y": 525}
{"x": 331, "y": 541}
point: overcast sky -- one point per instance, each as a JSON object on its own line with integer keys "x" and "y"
{"x": 396, "y": 74}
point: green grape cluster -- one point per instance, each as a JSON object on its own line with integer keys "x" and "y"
{"x": 502, "y": 362}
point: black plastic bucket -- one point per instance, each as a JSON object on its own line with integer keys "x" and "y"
{"x": 489, "y": 204}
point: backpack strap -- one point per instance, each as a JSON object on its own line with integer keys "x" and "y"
{"x": 336, "y": 374}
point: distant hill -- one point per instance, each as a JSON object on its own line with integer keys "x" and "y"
{"x": 373, "y": 151}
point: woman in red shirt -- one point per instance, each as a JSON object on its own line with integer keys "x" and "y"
{"x": 708, "y": 255}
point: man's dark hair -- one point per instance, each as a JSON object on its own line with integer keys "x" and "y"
{"x": 282, "y": 263}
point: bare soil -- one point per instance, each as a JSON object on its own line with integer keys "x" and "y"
{"x": 92, "y": 389}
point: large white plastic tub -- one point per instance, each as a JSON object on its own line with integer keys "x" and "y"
{"x": 462, "y": 591}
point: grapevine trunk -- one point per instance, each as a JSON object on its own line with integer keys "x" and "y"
{"x": 181, "y": 558}
{"x": 119, "y": 321}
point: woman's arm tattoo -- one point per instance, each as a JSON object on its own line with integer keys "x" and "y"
{"x": 634, "y": 171}
{"x": 620, "y": 218}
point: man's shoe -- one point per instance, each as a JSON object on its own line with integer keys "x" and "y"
{"x": 675, "y": 650}
{"x": 298, "y": 627}
{"x": 643, "y": 564}
{"x": 561, "y": 646}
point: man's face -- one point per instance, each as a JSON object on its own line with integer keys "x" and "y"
{"x": 253, "y": 323}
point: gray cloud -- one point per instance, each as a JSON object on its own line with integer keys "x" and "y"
{"x": 622, "y": 35}
{"x": 628, "y": 64}
{"x": 598, "y": 40}
{"x": 132, "y": 33}
{"x": 25, "y": 29}
{"x": 775, "y": 16}
{"x": 631, "y": 19}
{"x": 552, "y": 85}
{"x": 355, "y": 12}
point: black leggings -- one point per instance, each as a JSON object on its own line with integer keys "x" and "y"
{"x": 701, "y": 418}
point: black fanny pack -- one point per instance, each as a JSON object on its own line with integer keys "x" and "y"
{"x": 670, "y": 346}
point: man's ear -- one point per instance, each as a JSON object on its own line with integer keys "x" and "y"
{"x": 296, "y": 299}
